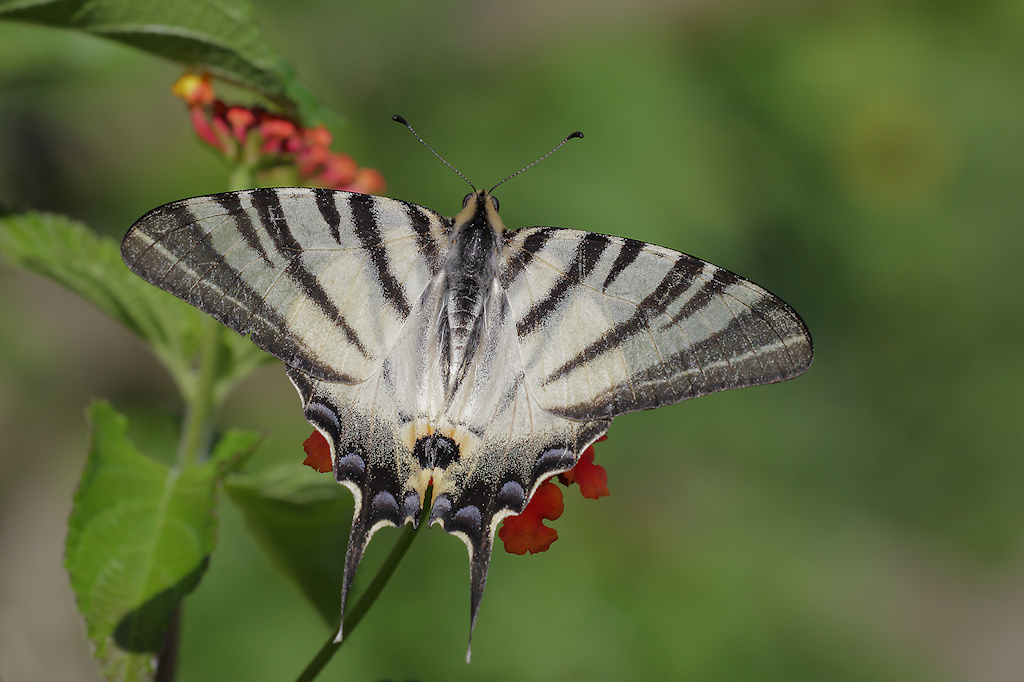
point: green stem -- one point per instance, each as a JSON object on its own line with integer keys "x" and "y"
{"x": 195, "y": 432}
{"x": 241, "y": 176}
{"x": 243, "y": 173}
{"x": 367, "y": 598}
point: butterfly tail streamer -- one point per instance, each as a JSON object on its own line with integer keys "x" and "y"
{"x": 479, "y": 561}
{"x": 357, "y": 541}
{"x": 478, "y": 533}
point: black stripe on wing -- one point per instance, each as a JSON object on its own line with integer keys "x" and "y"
{"x": 329, "y": 211}
{"x": 629, "y": 251}
{"x": 166, "y": 249}
{"x": 731, "y": 358}
{"x": 704, "y": 296}
{"x": 587, "y": 256}
{"x": 419, "y": 220}
{"x": 751, "y": 338}
{"x": 267, "y": 203}
{"x": 526, "y": 252}
{"x": 368, "y": 233}
{"x": 231, "y": 202}
{"x": 674, "y": 283}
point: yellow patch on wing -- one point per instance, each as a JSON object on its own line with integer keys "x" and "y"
{"x": 421, "y": 479}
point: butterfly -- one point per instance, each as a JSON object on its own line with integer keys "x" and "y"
{"x": 455, "y": 354}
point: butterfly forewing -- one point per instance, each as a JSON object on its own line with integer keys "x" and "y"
{"x": 321, "y": 279}
{"x": 610, "y": 325}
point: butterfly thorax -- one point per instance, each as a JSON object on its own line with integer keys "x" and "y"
{"x": 470, "y": 271}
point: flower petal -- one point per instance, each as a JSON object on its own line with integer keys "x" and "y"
{"x": 527, "y": 532}
{"x": 318, "y": 453}
{"x": 241, "y": 120}
{"x": 201, "y": 125}
{"x": 591, "y": 478}
{"x": 367, "y": 181}
{"x": 196, "y": 89}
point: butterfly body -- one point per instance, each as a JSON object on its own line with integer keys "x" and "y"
{"x": 467, "y": 288}
{"x": 453, "y": 353}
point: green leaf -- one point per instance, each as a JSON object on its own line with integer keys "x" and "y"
{"x": 71, "y": 254}
{"x": 218, "y": 36}
{"x": 233, "y": 450}
{"x": 139, "y": 539}
{"x": 301, "y": 519}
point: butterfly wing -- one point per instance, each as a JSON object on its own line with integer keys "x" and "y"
{"x": 608, "y": 325}
{"x": 321, "y": 279}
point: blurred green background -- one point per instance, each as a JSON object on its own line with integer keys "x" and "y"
{"x": 863, "y": 160}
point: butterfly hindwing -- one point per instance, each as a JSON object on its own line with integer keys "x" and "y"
{"x": 484, "y": 449}
{"x": 612, "y": 325}
{"x": 321, "y": 279}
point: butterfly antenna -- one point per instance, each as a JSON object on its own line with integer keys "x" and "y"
{"x": 401, "y": 119}
{"x": 557, "y": 147}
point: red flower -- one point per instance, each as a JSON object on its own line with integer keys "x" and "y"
{"x": 256, "y": 138}
{"x": 591, "y": 478}
{"x": 368, "y": 181}
{"x": 240, "y": 120}
{"x": 318, "y": 453}
{"x": 277, "y": 134}
{"x": 312, "y": 158}
{"x": 201, "y": 124}
{"x": 317, "y": 136}
{"x": 527, "y": 532}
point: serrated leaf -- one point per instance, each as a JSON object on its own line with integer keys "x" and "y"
{"x": 218, "y": 36}
{"x": 139, "y": 539}
{"x": 71, "y": 254}
{"x": 301, "y": 519}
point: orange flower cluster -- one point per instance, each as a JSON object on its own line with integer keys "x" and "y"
{"x": 255, "y": 136}
{"x": 525, "y": 532}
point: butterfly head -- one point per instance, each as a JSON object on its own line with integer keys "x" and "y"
{"x": 479, "y": 207}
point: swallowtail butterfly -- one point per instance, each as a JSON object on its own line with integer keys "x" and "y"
{"x": 453, "y": 352}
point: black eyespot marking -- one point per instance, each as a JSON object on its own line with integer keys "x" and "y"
{"x": 351, "y": 467}
{"x": 552, "y": 460}
{"x": 384, "y": 507}
{"x": 512, "y": 496}
{"x": 442, "y": 507}
{"x": 411, "y": 506}
{"x": 436, "y": 451}
{"x": 467, "y": 520}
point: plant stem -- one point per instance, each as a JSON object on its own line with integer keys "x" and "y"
{"x": 241, "y": 176}
{"x": 195, "y": 431}
{"x": 167, "y": 658}
{"x": 367, "y": 598}
{"x": 192, "y": 448}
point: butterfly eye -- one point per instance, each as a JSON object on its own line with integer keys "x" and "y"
{"x": 465, "y": 200}
{"x": 494, "y": 202}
